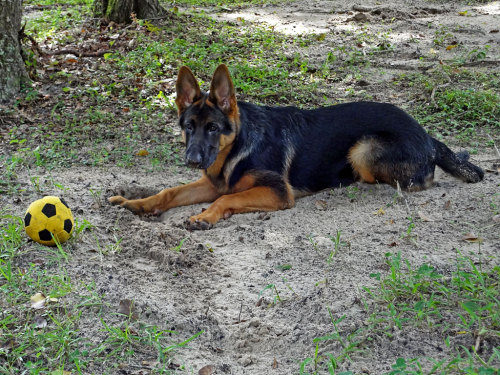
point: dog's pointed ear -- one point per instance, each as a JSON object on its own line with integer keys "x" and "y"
{"x": 188, "y": 90}
{"x": 222, "y": 90}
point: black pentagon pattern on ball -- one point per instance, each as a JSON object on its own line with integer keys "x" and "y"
{"x": 68, "y": 225}
{"x": 63, "y": 202}
{"x": 27, "y": 219}
{"x": 45, "y": 235}
{"x": 49, "y": 210}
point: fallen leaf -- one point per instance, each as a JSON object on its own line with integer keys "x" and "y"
{"x": 472, "y": 238}
{"x": 8, "y": 345}
{"x": 379, "y": 212}
{"x": 321, "y": 37}
{"x": 447, "y": 205}
{"x": 392, "y": 244}
{"x": 451, "y": 46}
{"x": 38, "y": 301}
{"x": 126, "y": 307}
{"x": 494, "y": 31}
{"x": 40, "y": 322}
{"x": 71, "y": 61}
{"x": 275, "y": 363}
{"x": 321, "y": 205}
{"x": 207, "y": 370}
{"x": 149, "y": 364}
{"x": 60, "y": 372}
{"x": 284, "y": 267}
{"x": 464, "y": 13}
{"x": 142, "y": 152}
{"x": 424, "y": 217}
{"x": 359, "y": 17}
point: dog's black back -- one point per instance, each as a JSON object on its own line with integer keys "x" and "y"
{"x": 314, "y": 149}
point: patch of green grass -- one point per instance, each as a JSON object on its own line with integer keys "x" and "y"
{"x": 336, "y": 245}
{"x": 463, "y": 111}
{"x": 462, "y": 306}
{"x": 48, "y": 22}
{"x": 459, "y": 364}
{"x": 458, "y": 102}
{"x": 265, "y": 76}
{"x": 273, "y": 291}
{"x": 125, "y": 338}
{"x": 323, "y": 361}
{"x": 8, "y": 176}
{"x": 49, "y": 339}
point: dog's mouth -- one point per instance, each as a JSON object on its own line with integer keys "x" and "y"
{"x": 197, "y": 159}
{"x": 197, "y": 165}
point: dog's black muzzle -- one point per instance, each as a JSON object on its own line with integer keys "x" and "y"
{"x": 200, "y": 157}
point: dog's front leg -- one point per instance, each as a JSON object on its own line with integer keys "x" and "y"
{"x": 200, "y": 191}
{"x": 260, "y": 198}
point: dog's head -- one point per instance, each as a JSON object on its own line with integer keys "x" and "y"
{"x": 209, "y": 121}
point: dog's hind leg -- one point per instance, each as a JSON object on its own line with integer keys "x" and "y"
{"x": 375, "y": 160}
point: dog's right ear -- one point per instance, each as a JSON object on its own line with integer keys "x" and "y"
{"x": 188, "y": 90}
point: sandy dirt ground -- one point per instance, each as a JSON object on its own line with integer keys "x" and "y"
{"x": 217, "y": 281}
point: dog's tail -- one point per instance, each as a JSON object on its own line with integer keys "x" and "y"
{"x": 458, "y": 164}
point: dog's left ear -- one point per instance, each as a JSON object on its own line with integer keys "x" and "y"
{"x": 222, "y": 90}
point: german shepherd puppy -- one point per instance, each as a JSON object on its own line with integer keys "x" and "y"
{"x": 260, "y": 158}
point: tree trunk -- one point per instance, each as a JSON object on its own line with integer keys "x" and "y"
{"x": 119, "y": 10}
{"x": 12, "y": 70}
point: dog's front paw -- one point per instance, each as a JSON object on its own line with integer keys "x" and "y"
{"x": 197, "y": 225}
{"x": 206, "y": 220}
{"x": 132, "y": 205}
{"x": 116, "y": 200}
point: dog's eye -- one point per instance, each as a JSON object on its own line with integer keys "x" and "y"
{"x": 189, "y": 126}
{"x": 213, "y": 128}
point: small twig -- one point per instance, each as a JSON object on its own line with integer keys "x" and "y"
{"x": 34, "y": 44}
{"x": 481, "y": 62}
{"x": 437, "y": 88}
{"x": 239, "y": 316}
{"x": 478, "y": 343}
{"x": 401, "y": 195}
{"x": 157, "y": 18}
{"x": 494, "y": 145}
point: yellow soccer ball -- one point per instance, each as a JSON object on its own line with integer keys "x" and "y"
{"x": 47, "y": 218}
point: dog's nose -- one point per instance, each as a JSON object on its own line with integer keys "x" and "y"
{"x": 193, "y": 159}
